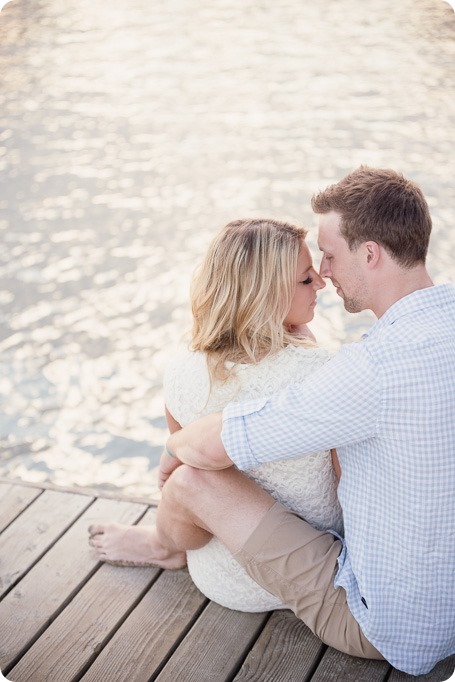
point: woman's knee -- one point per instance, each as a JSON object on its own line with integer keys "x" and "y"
{"x": 199, "y": 489}
{"x": 186, "y": 482}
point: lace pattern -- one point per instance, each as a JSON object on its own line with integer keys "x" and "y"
{"x": 307, "y": 485}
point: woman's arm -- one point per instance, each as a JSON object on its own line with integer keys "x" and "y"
{"x": 172, "y": 424}
{"x": 168, "y": 463}
{"x": 336, "y": 463}
{"x": 199, "y": 445}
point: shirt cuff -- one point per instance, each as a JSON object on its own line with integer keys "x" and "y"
{"x": 234, "y": 432}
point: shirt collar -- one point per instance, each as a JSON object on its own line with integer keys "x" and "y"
{"x": 439, "y": 294}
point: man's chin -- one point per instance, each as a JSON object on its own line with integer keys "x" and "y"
{"x": 352, "y": 306}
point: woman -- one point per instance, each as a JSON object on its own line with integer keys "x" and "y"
{"x": 251, "y": 301}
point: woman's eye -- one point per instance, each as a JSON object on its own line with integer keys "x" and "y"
{"x": 308, "y": 280}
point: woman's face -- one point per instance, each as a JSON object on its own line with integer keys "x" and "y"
{"x": 308, "y": 281}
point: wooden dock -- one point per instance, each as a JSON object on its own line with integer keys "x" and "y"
{"x": 64, "y": 616}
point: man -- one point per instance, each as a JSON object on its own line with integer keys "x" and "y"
{"x": 387, "y": 403}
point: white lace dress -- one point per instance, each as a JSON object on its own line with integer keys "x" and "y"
{"x": 307, "y": 485}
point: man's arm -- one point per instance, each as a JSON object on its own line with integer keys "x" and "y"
{"x": 336, "y": 405}
{"x": 199, "y": 444}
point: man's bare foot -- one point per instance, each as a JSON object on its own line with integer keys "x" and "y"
{"x": 124, "y": 545}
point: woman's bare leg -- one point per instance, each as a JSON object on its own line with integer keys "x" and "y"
{"x": 195, "y": 506}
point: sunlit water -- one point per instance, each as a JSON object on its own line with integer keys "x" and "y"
{"x": 129, "y": 134}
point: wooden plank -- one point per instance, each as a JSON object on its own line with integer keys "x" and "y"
{"x": 152, "y": 499}
{"x": 35, "y": 601}
{"x": 75, "y": 637}
{"x": 13, "y": 500}
{"x": 143, "y": 643}
{"x": 215, "y": 646}
{"x": 286, "y": 651}
{"x": 442, "y": 671}
{"x": 27, "y": 538}
{"x": 335, "y": 666}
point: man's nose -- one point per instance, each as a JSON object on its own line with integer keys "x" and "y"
{"x": 324, "y": 268}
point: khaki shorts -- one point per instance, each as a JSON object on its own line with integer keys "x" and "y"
{"x": 298, "y": 563}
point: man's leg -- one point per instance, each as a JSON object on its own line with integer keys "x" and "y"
{"x": 297, "y": 563}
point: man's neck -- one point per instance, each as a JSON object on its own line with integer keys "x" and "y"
{"x": 399, "y": 283}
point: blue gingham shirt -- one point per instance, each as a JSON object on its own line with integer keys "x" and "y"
{"x": 387, "y": 404}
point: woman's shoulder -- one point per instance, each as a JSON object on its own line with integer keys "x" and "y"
{"x": 290, "y": 365}
{"x": 309, "y": 353}
{"x": 294, "y": 357}
{"x": 185, "y": 365}
{"x": 186, "y": 384}
{"x": 182, "y": 357}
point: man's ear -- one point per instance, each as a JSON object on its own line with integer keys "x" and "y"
{"x": 372, "y": 253}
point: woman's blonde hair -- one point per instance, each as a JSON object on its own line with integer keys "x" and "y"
{"x": 242, "y": 292}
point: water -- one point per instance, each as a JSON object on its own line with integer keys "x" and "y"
{"x": 129, "y": 134}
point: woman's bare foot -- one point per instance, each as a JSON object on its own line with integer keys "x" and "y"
{"x": 124, "y": 545}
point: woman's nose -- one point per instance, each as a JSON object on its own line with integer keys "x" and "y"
{"x": 318, "y": 282}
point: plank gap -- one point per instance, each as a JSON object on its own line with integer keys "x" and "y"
{"x": 51, "y": 619}
{"x": 19, "y": 513}
{"x": 52, "y": 606}
{"x": 254, "y": 639}
{"x": 48, "y": 547}
{"x": 316, "y": 664}
{"x": 179, "y": 640}
{"x": 388, "y": 674}
{"x": 118, "y": 625}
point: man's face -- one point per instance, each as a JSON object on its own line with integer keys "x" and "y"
{"x": 340, "y": 265}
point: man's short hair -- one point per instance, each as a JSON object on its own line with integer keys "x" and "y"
{"x": 380, "y": 205}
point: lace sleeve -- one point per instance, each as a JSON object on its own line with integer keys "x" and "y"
{"x": 186, "y": 386}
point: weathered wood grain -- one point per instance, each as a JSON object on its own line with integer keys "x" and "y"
{"x": 13, "y": 500}
{"x": 335, "y": 666}
{"x": 65, "y": 617}
{"x": 286, "y": 651}
{"x": 34, "y": 531}
{"x": 43, "y": 592}
{"x": 80, "y": 632}
{"x": 147, "y": 637}
{"x": 215, "y": 646}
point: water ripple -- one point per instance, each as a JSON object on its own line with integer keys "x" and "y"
{"x": 129, "y": 134}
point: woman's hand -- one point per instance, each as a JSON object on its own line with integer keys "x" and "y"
{"x": 168, "y": 463}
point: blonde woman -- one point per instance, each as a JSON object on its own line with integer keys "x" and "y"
{"x": 251, "y": 300}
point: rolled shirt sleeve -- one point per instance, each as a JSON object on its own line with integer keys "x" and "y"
{"x": 337, "y": 405}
